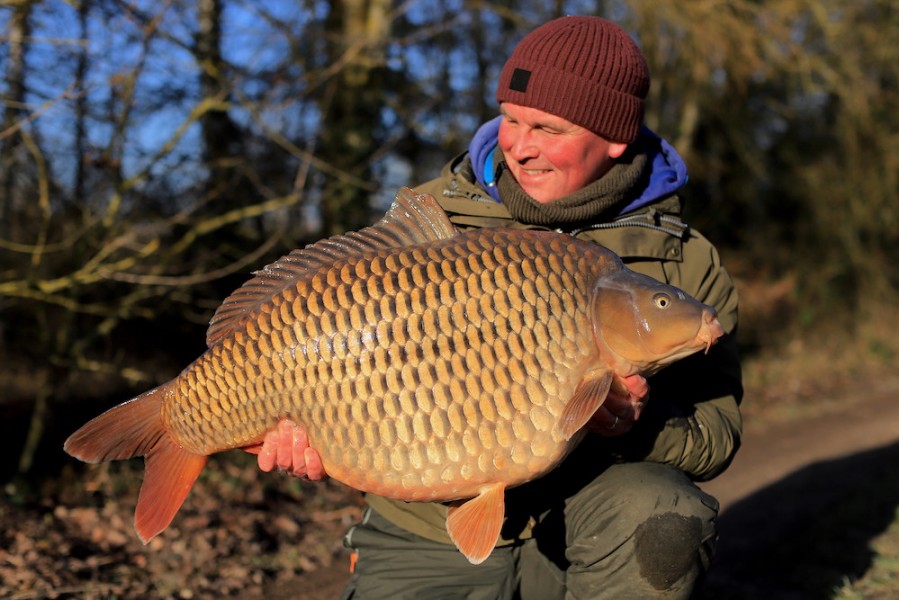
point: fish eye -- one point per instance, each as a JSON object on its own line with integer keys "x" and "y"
{"x": 662, "y": 300}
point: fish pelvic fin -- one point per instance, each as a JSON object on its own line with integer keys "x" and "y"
{"x": 474, "y": 525}
{"x": 135, "y": 428}
{"x": 591, "y": 392}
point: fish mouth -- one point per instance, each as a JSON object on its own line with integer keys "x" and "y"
{"x": 710, "y": 330}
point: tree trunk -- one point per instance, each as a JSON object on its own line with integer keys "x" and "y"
{"x": 14, "y": 109}
{"x": 351, "y": 106}
{"x": 222, "y": 139}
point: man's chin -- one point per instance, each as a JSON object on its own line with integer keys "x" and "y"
{"x": 539, "y": 193}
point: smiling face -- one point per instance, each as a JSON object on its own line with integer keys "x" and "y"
{"x": 549, "y": 156}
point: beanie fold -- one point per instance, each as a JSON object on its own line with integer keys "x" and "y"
{"x": 613, "y": 114}
{"x": 586, "y": 70}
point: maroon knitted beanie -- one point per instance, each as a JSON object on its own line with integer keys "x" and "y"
{"x": 586, "y": 70}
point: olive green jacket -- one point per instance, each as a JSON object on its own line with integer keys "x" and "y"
{"x": 692, "y": 418}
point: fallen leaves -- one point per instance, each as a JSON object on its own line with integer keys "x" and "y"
{"x": 239, "y": 533}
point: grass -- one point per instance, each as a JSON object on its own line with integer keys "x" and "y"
{"x": 881, "y": 581}
{"x": 797, "y": 374}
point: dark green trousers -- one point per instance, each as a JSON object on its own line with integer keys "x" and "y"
{"x": 636, "y": 530}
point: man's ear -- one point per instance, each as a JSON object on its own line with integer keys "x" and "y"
{"x": 616, "y": 149}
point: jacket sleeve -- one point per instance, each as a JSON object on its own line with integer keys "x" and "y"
{"x": 692, "y": 416}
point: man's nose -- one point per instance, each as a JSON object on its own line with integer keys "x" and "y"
{"x": 523, "y": 145}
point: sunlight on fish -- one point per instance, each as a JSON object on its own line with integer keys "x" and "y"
{"x": 426, "y": 365}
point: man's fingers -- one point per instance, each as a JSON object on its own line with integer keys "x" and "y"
{"x": 314, "y": 468}
{"x": 613, "y": 420}
{"x": 633, "y": 386}
{"x": 285, "y": 445}
{"x": 300, "y": 443}
{"x": 269, "y": 452}
{"x": 637, "y": 386}
{"x": 286, "y": 448}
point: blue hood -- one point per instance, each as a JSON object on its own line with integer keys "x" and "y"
{"x": 668, "y": 172}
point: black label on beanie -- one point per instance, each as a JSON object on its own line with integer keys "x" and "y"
{"x": 519, "y": 82}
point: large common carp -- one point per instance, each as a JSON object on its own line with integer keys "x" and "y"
{"x": 426, "y": 364}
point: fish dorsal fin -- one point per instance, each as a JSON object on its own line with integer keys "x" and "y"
{"x": 474, "y": 525}
{"x": 588, "y": 397}
{"x": 412, "y": 219}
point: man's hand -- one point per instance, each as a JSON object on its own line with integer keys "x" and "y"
{"x": 622, "y": 407}
{"x": 287, "y": 449}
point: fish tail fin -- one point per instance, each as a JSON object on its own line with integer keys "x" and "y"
{"x": 135, "y": 428}
{"x": 130, "y": 429}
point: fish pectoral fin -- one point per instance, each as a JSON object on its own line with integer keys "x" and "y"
{"x": 588, "y": 397}
{"x": 474, "y": 525}
{"x": 170, "y": 473}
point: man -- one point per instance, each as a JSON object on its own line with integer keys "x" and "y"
{"x": 621, "y": 517}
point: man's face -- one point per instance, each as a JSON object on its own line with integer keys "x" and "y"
{"x": 549, "y": 156}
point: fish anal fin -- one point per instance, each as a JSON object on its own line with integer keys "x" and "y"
{"x": 474, "y": 525}
{"x": 591, "y": 392}
{"x": 170, "y": 474}
{"x": 412, "y": 219}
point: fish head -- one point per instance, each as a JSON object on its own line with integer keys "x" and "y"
{"x": 641, "y": 325}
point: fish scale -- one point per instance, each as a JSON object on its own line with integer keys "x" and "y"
{"x": 392, "y": 363}
{"x": 424, "y": 363}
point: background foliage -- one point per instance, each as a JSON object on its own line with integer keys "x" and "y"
{"x": 153, "y": 153}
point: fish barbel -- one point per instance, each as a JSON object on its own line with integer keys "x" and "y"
{"x": 426, "y": 365}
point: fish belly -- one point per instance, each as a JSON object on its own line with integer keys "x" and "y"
{"x": 421, "y": 373}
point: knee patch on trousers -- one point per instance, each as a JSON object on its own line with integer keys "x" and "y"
{"x": 666, "y": 548}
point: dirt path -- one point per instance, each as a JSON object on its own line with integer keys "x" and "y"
{"x": 799, "y": 488}
{"x": 786, "y": 474}
{"x": 771, "y": 451}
